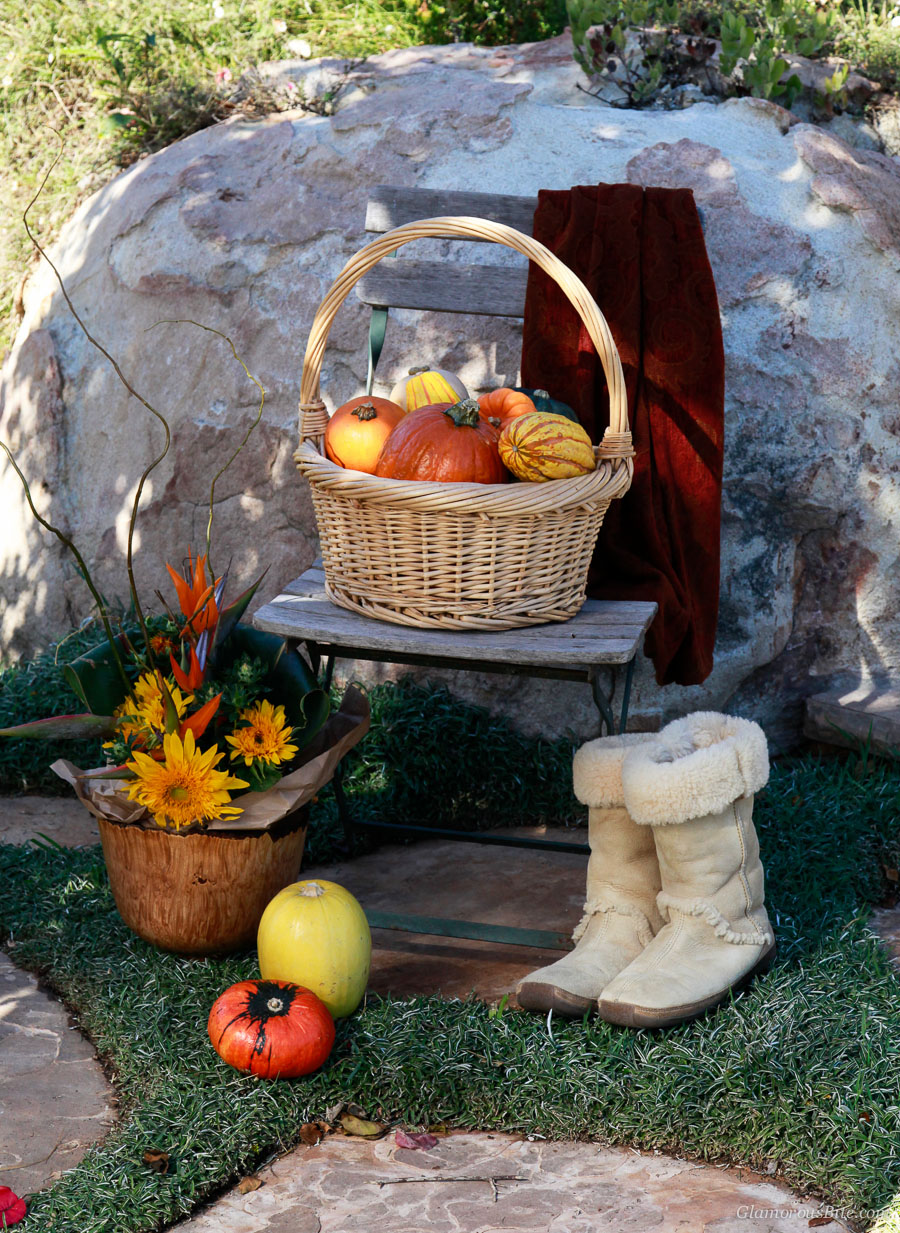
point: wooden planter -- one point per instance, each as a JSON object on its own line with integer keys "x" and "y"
{"x": 200, "y": 894}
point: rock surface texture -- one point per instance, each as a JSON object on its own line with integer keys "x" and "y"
{"x": 343, "y": 1184}
{"x": 242, "y": 227}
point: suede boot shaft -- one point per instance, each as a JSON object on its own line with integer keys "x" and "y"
{"x": 693, "y": 788}
{"x": 620, "y": 910}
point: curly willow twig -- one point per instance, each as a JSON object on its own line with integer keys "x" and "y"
{"x": 129, "y": 560}
{"x": 85, "y": 572}
{"x": 262, "y": 399}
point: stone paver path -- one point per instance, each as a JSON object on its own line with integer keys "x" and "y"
{"x": 345, "y": 1185}
{"x": 54, "y": 1098}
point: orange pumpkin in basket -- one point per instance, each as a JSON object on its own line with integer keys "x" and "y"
{"x": 447, "y": 442}
{"x": 505, "y": 404}
{"x": 357, "y": 431}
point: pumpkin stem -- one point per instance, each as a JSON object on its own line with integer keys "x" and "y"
{"x": 464, "y": 414}
{"x": 275, "y": 1005}
{"x": 312, "y": 890}
{"x": 414, "y": 372}
{"x": 541, "y": 394}
{"x": 365, "y": 411}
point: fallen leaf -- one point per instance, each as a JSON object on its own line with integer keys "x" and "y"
{"x": 310, "y": 1133}
{"x": 362, "y": 1127}
{"x": 157, "y": 1160}
{"x": 892, "y": 875}
{"x": 864, "y": 1117}
{"x": 333, "y": 1112}
{"x": 247, "y": 1184}
{"x": 816, "y": 1221}
{"x": 421, "y": 1142}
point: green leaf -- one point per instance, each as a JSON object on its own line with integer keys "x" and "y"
{"x": 114, "y": 123}
{"x": 293, "y": 683}
{"x": 94, "y": 678}
{"x": 245, "y": 640}
{"x": 230, "y": 616}
{"x": 63, "y": 727}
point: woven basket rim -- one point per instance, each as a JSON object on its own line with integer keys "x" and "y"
{"x": 508, "y": 499}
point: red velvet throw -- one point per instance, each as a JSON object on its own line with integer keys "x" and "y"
{"x": 640, "y": 252}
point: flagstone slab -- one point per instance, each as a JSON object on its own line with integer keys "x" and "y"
{"x": 343, "y": 1184}
{"x": 58, "y": 818}
{"x": 55, "y": 1100}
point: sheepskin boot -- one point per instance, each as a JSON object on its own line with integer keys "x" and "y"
{"x": 620, "y": 912}
{"x": 693, "y": 787}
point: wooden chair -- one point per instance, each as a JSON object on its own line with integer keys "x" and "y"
{"x": 403, "y": 282}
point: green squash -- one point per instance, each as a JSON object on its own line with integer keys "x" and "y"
{"x": 543, "y": 402}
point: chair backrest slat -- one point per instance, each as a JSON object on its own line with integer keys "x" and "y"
{"x": 392, "y": 207}
{"x": 491, "y": 290}
{"x": 436, "y": 286}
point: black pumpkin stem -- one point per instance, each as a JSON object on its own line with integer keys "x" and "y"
{"x": 465, "y": 414}
{"x": 365, "y": 411}
{"x": 269, "y": 1001}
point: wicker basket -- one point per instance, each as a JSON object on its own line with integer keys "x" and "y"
{"x": 460, "y": 556}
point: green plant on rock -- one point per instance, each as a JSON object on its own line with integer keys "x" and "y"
{"x": 604, "y": 51}
{"x": 834, "y": 90}
{"x": 762, "y": 68}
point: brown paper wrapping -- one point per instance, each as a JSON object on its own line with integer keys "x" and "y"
{"x": 105, "y": 798}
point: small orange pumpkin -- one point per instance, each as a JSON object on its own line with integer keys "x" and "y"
{"x": 357, "y": 431}
{"x": 272, "y": 1028}
{"x": 505, "y": 404}
{"x": 447, "y": 442}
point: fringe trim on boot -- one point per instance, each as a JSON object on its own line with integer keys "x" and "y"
{"x": 595, "y": 906}
{"x": 712, "y": 916}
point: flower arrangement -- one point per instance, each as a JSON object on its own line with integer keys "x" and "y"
{"x": 215, "y": 692}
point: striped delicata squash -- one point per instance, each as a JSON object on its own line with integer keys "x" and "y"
{"x": 543, "y": 446}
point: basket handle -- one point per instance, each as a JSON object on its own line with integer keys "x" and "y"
{"x": 313, "y": 417}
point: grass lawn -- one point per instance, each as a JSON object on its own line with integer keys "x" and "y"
{"x": 802, "y": 1071}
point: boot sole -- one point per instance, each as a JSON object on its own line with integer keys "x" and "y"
{"x": 538, "y": 996}
{"x": 625, "y": 1014}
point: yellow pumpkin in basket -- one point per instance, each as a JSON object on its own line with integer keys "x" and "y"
{"x": 543, "y": 446}
{"x": 423, "y": 387}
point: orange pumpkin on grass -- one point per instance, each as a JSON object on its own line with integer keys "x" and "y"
{"x": 357, "y": 431}
{"x": 447, "y": 442}
{"x": 272, "y": 1028}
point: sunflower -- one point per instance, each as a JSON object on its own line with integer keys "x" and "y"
{"x": 266, "y": 737}
{"x": 184, "y": 788}
{"x": 145, "y": 715}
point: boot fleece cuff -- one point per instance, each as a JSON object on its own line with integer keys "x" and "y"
{"x": 695, "y": 766}
{"x": 597, "y": 769}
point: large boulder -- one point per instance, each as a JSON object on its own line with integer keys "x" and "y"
{"x": 242, "y": 227}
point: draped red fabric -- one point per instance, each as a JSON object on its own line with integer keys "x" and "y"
{"x": 641, "y": 253}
